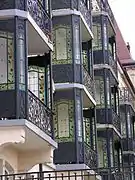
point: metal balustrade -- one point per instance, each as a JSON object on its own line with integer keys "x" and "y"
{"x": 114, "y": 173}
{"x": 125, "y": 96}
{"x": 85, "y": 13}
{"x": 88, "y": 82}
{"x": 39, "y": 114}
{"x": 39, "y": 14}
{"x": 116, "y": 121}
{"x": 90, "y": 157}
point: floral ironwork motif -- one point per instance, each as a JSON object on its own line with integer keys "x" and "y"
{"x": 38, "y": 13}
{"x": 113, "y": 63}
{"x": 90, "y": 157}
{"x": 39, "y": 114}
{"x": 85, "y": 13}
{"x": 116, "y": 121}
{"x": 88, "y": 82}
{"x": 125, "y": 96}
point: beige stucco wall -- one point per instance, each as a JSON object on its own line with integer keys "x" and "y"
{"x": 12, "y": 140}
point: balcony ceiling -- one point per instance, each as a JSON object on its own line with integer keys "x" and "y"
{"x": 36, "y": 44}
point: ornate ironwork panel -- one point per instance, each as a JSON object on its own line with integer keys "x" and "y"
{"x": 39, "y": 14}
{"x": 90, "y": 157}
{"x": 125, "y": 96}
{"x": 39, "y": 114}
{"x": 85, "y": 13}
{"x": 113, "y": 63}
{"x": 116, "y": 121}
{"x": 88, "y": 82}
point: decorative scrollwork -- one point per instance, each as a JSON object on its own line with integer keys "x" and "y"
{"x": 88, "y": 82}
{"x": 85, "y": 13}
{"x": 39, "y": 114}
{"x": 116, "y": 121}
{"x": 90, "y": 157}
{"x": 125, "y": 96}
{"x": 39, "y": 14}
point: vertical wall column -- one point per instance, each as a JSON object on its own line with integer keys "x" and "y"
{"x": 21, "y": 68}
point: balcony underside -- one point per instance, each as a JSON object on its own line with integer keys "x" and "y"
{"x": 104, "y": 127}
{"x": 23, "y": 145}
{"x": 25, "y": 135}
{"x": 88, "y": 100}
{"x": 38, "y": 41}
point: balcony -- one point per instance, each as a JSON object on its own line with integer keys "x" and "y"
{"x": 77, "y": 8}
{"x": 90, "y": 157}
{"x": 102, "y": 7}
{"x": 99, "y": 6}
{"x": 125, "y": 97}
{"x": 28, "y": 135}
{"x": 89, "y": 84}
{"x": 39, "y": 23}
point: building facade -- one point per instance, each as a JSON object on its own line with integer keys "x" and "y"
{"x": 66, "y": 90}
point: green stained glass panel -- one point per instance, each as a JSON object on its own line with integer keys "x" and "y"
{"x": 64, "y": 120}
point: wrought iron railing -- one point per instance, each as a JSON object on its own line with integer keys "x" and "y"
{"x": 125, "y": 96}
{"x": 39, "y": 14}
{"x": 113, "y": 63}
{"x": 90, "y": 157}
{"x": 39, "y": 114}
{"x": 85, "y": 13}
{"x": 124, "y": 173}
{"x": 88, "y": 82}
{"x": 116, "y": 121}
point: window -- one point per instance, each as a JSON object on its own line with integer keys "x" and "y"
{"x": 108, "y": 91}
{"x": 86, "y": 130}
{"x": 93, "y": 133}
{"x": 102, "y": 152}
{"x": 99, "y": 87}
{"x": 39, "y": 83}
{"x": 21, "y": 55}
{"x": 77, "y": 45}
{"x": 6, "y": 61}
{"x": 105, "y": 37}
{"x": 3, "y": 61}
{"x": 79, "y": 119}
{"x": 129, "y": 125}
{"x": 62, "y": 36}
{"x": 111, "y": 153}
{"x": 61, "y": 49}
{"x": 63, "y": 123}
{"x": 64, "y": 120}
{"x": 33, "y": 82}
{"x": 97, "y": 42}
